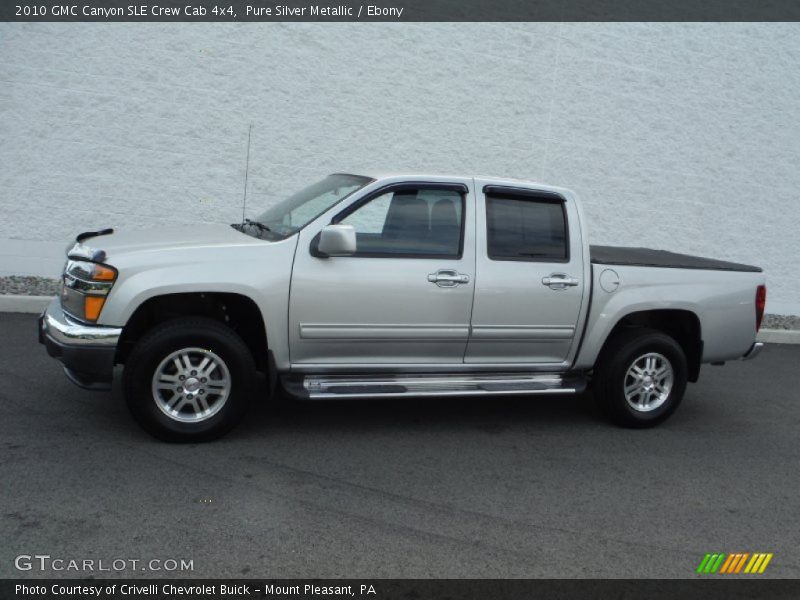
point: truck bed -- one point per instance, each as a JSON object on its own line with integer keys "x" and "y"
{"x": 646, "y": 257}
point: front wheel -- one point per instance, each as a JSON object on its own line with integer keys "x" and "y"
{"x": 641, "y": 377}
{"x": 189, "y": 380}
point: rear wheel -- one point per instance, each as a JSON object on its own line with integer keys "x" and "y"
{"x": 641, "y": 377}
{"x": 189, "y": 380}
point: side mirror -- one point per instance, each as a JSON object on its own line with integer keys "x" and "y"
{"x": 336, "y": 240}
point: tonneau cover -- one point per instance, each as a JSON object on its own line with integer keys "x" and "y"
{"x": 646, "y": 257}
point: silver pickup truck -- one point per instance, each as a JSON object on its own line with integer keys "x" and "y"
{"x": 390, "y": 286}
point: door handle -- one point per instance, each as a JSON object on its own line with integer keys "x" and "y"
{"x": 559, "y": 281}
{"x": 448, "y": 278}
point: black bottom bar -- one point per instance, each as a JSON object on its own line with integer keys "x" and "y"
{"x": 711, "y": 588}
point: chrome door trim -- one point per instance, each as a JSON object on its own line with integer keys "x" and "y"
{"x": 522, "y": 332}
{"x": 330, "y": 368}
{"x": 356, "y": 332}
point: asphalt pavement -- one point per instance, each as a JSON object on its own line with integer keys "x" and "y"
{"x": 509, "y": 487}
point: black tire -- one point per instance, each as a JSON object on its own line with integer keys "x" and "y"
{"x": 172, "y": 336}
{"x": 611, "y": 374}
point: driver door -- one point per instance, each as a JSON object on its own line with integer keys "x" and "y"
{"x": 404, "y": 297}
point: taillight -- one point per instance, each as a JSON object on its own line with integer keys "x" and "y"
{"x": 761, "y": 303}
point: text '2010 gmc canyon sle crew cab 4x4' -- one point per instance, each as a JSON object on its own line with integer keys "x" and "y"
{"x": 370, "y": 287}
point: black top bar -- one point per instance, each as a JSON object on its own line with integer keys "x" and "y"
{"x": 401, "y": 10}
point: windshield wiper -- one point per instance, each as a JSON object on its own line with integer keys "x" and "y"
{"x": 248, "y": 223}
{"x": 258, "y": 224}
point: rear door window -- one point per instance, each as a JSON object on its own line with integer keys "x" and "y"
{"x": 526, "y": 228}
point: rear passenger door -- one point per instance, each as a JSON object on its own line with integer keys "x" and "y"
{"x": 530, "y": 280}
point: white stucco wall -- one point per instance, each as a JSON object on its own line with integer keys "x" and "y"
{"x": 677, "y": 136}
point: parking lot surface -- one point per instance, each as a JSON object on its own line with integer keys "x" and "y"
{"x": 510, "y": 487}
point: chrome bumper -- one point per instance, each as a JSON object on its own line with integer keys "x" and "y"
{"x": 63, "y": 330}
{"x": 754, "y": 351}
{"x": 86, "y": 351}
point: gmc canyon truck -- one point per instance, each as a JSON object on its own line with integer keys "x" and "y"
{"x": 393, "y": 286}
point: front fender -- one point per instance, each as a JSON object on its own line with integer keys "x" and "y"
{"x": 262, "y": 274}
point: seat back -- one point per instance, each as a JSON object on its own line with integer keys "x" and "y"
{"x": 407, "y": 218}
{"x": 445, "y": 229}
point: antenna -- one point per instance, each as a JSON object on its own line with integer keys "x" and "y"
{"x": 246, "y": 171}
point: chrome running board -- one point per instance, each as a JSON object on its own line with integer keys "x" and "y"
{"x": 435, "y": 385}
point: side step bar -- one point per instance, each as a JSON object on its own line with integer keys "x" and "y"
{"x": 434, "y": 385}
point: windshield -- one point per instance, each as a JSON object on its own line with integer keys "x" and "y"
{"x": 293, "y": 213}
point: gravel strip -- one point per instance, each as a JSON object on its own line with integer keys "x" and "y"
{"x": 780, "y": 322}
{"x": 23, "y": 285}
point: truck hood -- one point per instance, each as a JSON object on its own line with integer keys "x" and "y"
{"x": 160, "y": 239}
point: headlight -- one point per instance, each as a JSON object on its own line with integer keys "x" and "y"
{"x": 85, "y": 287}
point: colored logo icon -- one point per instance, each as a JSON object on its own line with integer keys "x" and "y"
{"x": 727, "y": 564}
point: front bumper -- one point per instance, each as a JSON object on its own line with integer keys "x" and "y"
{"x": 86, "y": 351}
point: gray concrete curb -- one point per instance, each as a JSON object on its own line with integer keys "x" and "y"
{"x": 779, "y": 336}
{"x": 24, "y": 304}
{"x": 36, "y": 304}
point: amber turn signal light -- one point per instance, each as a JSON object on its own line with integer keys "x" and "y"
{"x": 92, "y": 306}
{"x": 102, "y": 273}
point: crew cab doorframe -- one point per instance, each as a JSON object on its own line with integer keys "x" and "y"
{"x": 577, "y": 248}
{"x": 382, "y": 267}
